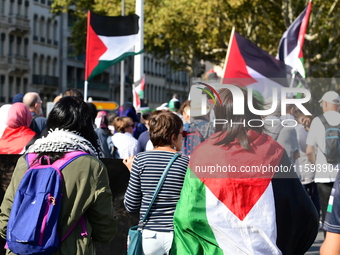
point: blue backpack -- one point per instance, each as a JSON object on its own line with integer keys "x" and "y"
{"x": 33, "y": 221}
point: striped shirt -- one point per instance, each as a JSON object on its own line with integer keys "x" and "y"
{"x": 147, "y": 169}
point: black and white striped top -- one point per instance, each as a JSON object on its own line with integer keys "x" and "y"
{"x": 147, "y": 169}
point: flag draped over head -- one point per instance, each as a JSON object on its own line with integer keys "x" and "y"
{"x": 291, "y": 43}
{"x": 249, "y": 66}
{"x": 109, "y": 41}
{"x": 138, "y": 92}
{"x": 224, "y": 211}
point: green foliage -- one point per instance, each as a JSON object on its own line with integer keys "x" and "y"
{"x": 185, "y": 32}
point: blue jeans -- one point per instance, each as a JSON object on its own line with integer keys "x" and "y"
{"x": 157, "y": 243}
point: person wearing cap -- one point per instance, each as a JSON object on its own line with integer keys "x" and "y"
{"x": 17, "y": 98}
{"x": 174, "y": 107}
{"x": 316, "y": 146}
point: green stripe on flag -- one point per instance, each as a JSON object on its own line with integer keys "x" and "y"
{"x": 103, "y": 64}
{"x": 193, "y": 234}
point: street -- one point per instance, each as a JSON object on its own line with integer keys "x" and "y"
{"x": 315, "y": 248}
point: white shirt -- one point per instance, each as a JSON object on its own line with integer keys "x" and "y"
{"x": 316, "y": 138}
{"x": 125, "y": 143}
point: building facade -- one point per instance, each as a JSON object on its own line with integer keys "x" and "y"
{"x": 36, "y": 55}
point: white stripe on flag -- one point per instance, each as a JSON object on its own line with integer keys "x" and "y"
{"x": 294, "y": 61}
{"x": 264, "y": 85}
{"x": 117, "y": 45}
{"x": 256, "y": 234}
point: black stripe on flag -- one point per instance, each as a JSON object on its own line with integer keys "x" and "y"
{"x": 114, "y": 25}
{"x": 262, "y": 62}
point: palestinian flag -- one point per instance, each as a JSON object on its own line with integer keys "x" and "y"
{"x": 249, "y": 66}
{"x": 138, "y": 92}
{"x": 109, "y": 41}
{"x": 291, "y": 43}
{"x": 238, "y": 212}
{"x": 140, "y": 88}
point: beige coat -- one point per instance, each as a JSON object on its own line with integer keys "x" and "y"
{"x": 85, "y": 191}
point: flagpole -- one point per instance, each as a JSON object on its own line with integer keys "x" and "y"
{"x": 139, "y": 59}
{"x": 122, "y": 73}
{"x": 85, "y": 90}
{"x": 228, "y": 51}
{"x": 87, "y": 56}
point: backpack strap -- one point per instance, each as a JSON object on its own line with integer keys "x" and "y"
{"x": 68, "y": 158}
{"x": 60, "y": 163}
{"x": 324, "y": 121}
{"x": 83, "y": 228}
{"x": 30, "y": 157}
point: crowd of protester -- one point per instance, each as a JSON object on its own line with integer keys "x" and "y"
{"x": 146, "y": 142}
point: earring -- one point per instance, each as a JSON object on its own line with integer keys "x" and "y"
{"x": 175, "y": 148}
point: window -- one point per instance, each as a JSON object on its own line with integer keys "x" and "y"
{"x": 11, "y": 7}
{"x": 3, "y": 7}
{"x": 48, "y": 63}
{"x": 146, "y": 64}
{"x": 18, "y": 46}
{"x": 2, "y": 88}
{"x": 71, "y": 19}
{"x": 11, "y": 41}
{"x": 48, "y": 31}
{"x": 26, "y": 48}
{"x": 35, "y": 28}
{"x": 151, "y": 67}
{"x": 25, "y": 84}
{"x": 41, "y": 64}
{"x": 27, "y": 4}
{"x": 18, "y": 83}
{"x": 55, "y": 34}
{"x": 19, "y": 8}
{"x": 35, "y": 57}
{"x": 2, "y": 44}
{"x": 41, "y": 29}
{"x": 54, "y": 73}
{"x": 10, "y": 86}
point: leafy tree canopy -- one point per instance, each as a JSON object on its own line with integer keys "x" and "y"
{"x": 186, "y": 32}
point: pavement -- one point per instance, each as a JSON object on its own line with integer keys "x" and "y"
{"x": 315, "y": 248}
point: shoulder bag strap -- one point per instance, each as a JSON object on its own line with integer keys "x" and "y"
{"x": 159, "y": 185}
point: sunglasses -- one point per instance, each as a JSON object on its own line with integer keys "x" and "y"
{"x": 184, "y": 133}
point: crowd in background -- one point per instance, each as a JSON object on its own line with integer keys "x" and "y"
{"x": 146, "y": 142}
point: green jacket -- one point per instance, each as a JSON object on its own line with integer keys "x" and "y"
{"x": 85, "y": 191}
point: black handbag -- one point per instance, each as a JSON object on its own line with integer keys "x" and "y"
{"x": 135, "y": 239}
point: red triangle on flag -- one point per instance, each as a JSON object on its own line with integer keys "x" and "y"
{"x": 236, "y": 67}
{"x": 238, "y": 190}
{"x": 94, "y": 49}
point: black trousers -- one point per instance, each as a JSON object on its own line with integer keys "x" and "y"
{"x": 324, "y": 190}
{"x": 312, "y": 191}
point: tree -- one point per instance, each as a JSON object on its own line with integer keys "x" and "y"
{"x": 186, "y": 32}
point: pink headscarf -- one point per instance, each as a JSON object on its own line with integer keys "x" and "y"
{"x": 19, "y": 115}
{"x": 102, "y": 115}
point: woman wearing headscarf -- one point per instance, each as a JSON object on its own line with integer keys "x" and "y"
{"x": 85, "y": 190}
{"x": 3, "y": 117}
{"x": 17, "y": 134}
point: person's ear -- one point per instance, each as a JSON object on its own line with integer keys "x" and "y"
{"x": 173, "y": 139}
